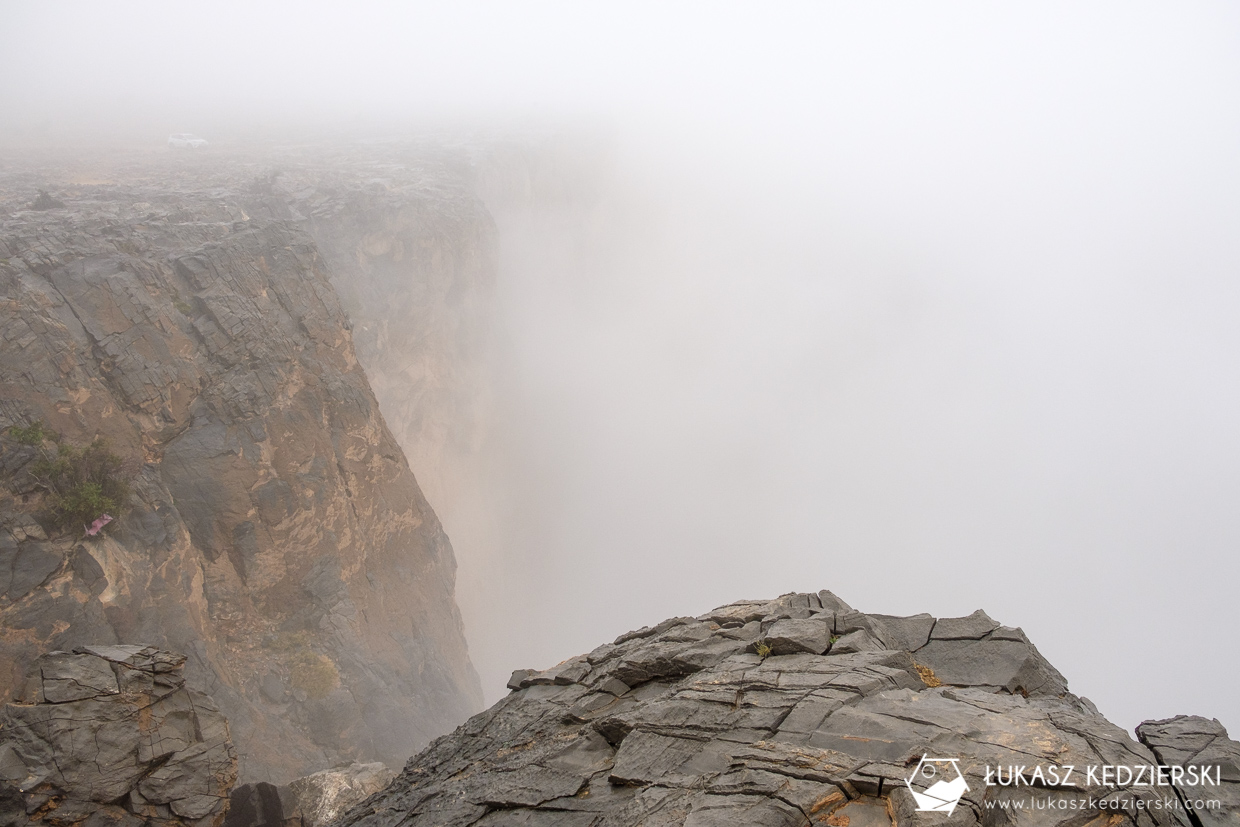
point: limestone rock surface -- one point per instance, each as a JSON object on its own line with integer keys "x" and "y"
{"x": 749, "y": 715}
{"x": 112, "y": 735}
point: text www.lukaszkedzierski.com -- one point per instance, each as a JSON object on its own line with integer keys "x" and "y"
{"x": 1124, "y": 804}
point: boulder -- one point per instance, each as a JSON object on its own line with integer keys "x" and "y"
{"x": 313, "y": 801}
{"x": 974, "y": 627}
{"x": 112, "y": 735}
{"x": 1193, "y": 741}
{"x": 792, "y": 635}
{"x": 46, "y": 202}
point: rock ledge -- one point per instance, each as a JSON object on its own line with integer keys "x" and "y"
{"x": 789, "y": 712}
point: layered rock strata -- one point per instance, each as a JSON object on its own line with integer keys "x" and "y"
{"x": 112, "y": 735}
{"x": 801, "y": 711}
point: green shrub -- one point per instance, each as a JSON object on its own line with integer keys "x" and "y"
{"x": 32, "y": 434}
{"x": 287, "y": 641}
{"x": 81, "y": 484}
{"x": 313, "y": 673}
{"x": 181, "y": 305}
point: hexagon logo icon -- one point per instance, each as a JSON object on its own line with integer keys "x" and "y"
{"x": 937, "y": 784}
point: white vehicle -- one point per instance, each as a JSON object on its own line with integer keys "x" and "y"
{"x": 184, "y": 140}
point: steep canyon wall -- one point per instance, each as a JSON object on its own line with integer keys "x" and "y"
{"x": 189, "y": 311}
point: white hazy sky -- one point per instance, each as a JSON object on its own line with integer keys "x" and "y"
{"x": 932, "y": 304}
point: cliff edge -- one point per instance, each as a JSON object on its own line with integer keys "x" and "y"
{"x": 801, "y": 711}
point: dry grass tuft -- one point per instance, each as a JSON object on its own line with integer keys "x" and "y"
{"x": 927, "y": 676}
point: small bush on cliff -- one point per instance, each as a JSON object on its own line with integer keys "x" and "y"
{"x": 313, "y": 673}
{"x": 82, "y": 485}
{"x": 32, "y": 434}
{"x": 287, "y": 641}
{"x": 181, "y": 305}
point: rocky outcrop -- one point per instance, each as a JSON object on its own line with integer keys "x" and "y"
{"x": 802, "y": 711}
{"x": 314, "y": 801}
{"x": 275, "y": 534}
{"x": 1192, "y": 741}
{"x": 112, "y": 735}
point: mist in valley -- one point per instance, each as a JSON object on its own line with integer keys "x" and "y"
{"x": 932, "y": 306}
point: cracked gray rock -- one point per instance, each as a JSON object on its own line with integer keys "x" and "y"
{"x": 1192, "y": 741}
{"x": 112, "y": 735}
{"x": 686, "y": 723}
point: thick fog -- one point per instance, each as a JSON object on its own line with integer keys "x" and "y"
{"x": 933, "y": 305}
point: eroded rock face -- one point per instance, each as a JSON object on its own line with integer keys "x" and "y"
{"x": 276, "y": 534}
{"x": 795, "y": 711}
{"x": 414, "y": 266}
{"x": 112, "y": 735}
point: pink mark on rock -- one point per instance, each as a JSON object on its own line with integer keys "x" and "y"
{"x": 97, "y": 526}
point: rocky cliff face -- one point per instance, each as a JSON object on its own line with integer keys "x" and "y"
{"x": 276, "y": 534}
{"x": 412, "y": 255}
{"x": 802, "y": 711}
